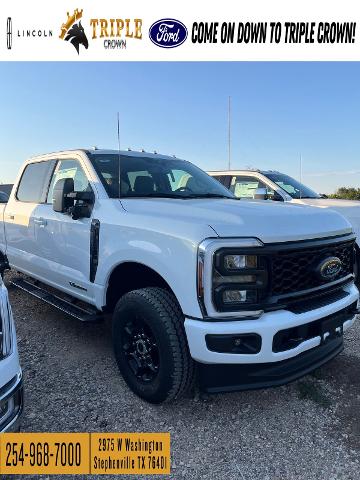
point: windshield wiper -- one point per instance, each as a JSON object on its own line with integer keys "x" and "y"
{"x": 174, "y": 195}
{"x": 209, "y": 195}
{"x": 155, "y": 195}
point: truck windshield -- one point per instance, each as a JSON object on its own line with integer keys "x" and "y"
{"x": 142, "y": 176}
{"x": 291, "y": 186}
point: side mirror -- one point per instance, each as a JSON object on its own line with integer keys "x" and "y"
{"x": 260, "y": 194}
{"x": 61, "y": 201}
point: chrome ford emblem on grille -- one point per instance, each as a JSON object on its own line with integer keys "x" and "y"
{"x": 329, "y": 268}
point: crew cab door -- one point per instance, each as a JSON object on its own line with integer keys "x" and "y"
{"x": 20, "y": 214}
{"x": 63, "y": 244}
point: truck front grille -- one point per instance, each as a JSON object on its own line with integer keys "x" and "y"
{"x": 295, "y": 270}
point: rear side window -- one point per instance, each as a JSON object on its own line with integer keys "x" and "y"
{"x": 223, "y": 179}
{"x": 35, "y": 182}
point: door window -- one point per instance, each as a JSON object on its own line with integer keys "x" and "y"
{"x": 223, "y": 179}
{"x": 69, "y": 169}
{"x": 34, "y": 182}
{"x": 245, "y": 187}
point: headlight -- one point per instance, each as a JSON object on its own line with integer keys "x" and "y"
{"x": 234, "y": 297}
{"x": 232, "y": 277}
{"x": 238, "y": 262}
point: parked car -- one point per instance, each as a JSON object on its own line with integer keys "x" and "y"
{"x": 248, "y": 295}
{"x": 11, "y": 389}
{"x": 276, "y": 186}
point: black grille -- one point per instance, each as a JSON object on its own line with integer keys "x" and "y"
{"x": 294, "y": 270}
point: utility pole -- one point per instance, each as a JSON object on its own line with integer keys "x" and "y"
{"x": 229, "y": 134}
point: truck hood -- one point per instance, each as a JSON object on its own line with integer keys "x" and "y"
{"x": 268, "y": 221}
{"x": 349, "y": 208}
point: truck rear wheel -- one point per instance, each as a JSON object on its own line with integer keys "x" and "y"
{"x": 150, "y": 345}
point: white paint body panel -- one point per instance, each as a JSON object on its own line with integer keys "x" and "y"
{"x": 266, "y": 326}
{"x": 9, "y": 366}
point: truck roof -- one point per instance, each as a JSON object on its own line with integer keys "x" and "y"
{"x": 100, "y": 151}
{"x": 242, "y": 170}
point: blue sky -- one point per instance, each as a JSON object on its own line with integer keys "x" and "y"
{"x": 279, "y": 111}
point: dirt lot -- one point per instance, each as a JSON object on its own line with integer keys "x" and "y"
{"x": 307, "y": 430}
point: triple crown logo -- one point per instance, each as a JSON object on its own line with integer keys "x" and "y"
{"x": 73, "y": 31}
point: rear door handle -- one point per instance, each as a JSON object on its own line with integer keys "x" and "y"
{"x": 40, "y": 221}
{"x": 11, "y": 216}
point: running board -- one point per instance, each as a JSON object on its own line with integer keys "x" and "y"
{"x": 87, "y": 315}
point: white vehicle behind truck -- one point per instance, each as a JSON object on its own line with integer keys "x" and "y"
{"x": 276, "y": 186}
{"x": 11, "y": 389}
{"x": 242, "y": 294}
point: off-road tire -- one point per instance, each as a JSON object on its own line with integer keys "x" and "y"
{"x": 159, "y": 309}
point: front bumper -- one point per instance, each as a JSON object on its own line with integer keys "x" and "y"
{"x": 266, "y": 327}
{"x": 230, "y": 378}
{"x": 12, "y": 398}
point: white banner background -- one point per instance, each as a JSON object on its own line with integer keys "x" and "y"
{"x": 45, "y": 15}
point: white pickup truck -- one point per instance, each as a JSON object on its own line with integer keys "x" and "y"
{"x": 11, "y": 389}
{"x": 273, "y": 185}
{"x": 242, "y": 294}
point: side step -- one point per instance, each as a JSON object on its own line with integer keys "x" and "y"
{"x": 84, "y": 314}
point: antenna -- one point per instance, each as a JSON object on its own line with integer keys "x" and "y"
{"x": 229, "y": 134}
{"x": 300, "y": 174}
{"x": 118, "y": 137}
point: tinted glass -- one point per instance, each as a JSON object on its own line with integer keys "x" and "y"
{"x": 69, "y": 169}
{"x": 34, "y": 182}
{"x": 4, "y": 197}
{"x": 245, "y": 187}
{"x": 223, "y": 179}
{"x": 291, "y": 186}
{"x": 155, "y": 177}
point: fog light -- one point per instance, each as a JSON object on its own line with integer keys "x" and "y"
{"x": 238, "y": 296}
{"x": 244, "y": 343}
{"x": 237, "y": 262}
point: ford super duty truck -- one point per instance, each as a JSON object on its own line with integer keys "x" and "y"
{"x": 242, "y": 294}
{"x": 11, "y": 388}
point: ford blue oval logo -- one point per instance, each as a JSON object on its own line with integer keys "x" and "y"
{"x": 329, "y": 268}
{"x": 168, "y": 33}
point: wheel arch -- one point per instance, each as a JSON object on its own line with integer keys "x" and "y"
{"x": 132, "y": 275}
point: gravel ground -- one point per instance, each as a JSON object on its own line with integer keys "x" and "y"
{"x": 307, "y": 430}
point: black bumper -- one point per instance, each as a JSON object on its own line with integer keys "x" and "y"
{"x": 215, "y": 378}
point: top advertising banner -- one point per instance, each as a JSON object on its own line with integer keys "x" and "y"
{"x": 138, "y": 31}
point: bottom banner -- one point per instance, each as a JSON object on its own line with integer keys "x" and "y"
{"x": 84, "y": 453}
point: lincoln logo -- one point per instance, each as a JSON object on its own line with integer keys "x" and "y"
{"x": 9, "y": 33}
{"x": 329, "y": 268}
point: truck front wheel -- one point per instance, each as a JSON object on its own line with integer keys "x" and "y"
{"x": 150, "y": 345}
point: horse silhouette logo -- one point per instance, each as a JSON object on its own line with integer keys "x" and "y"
{"x": 76, "y": 35}
{"x": 73, "y": 32}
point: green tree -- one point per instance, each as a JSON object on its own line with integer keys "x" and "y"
{"x": 347, "y": 193}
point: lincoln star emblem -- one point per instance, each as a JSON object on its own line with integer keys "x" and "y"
{"x": 329, "y": 268}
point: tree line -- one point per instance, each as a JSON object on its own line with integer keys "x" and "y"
{"x": 346, "y": 193}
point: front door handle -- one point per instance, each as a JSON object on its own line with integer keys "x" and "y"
{"x": 40, "y": 221}
{"x": 10, "y": 216}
